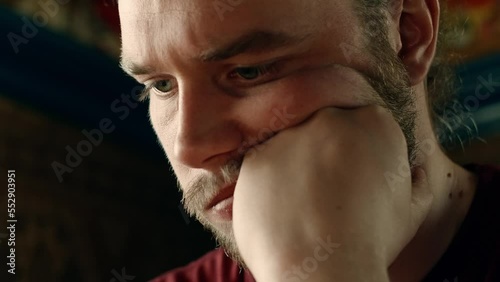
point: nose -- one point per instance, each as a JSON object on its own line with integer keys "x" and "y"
{"x": 207, "y": 134}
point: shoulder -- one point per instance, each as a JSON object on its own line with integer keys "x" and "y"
{"x": 214, "y": 266}
{"x": 488, "y": 175}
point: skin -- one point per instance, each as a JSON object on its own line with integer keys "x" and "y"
{"x": 209, "y": 118}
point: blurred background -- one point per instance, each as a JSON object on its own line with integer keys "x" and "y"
{"x": 116, "y": 209}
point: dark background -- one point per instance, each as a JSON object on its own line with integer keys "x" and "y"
{"x": 119, "y": 206}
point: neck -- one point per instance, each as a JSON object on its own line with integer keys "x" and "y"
{"x": 453, "y": 188}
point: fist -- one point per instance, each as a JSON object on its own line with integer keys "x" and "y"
{"x": 324, "y": 181}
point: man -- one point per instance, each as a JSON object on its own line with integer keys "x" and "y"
{"x": 302, "y": 134}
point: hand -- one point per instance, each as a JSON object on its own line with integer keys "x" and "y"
{"x": 323, "y": 182}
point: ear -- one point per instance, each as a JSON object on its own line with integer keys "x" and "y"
{"x": 418, "y": 32}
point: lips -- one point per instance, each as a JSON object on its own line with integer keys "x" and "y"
{"x": 221, "y": 206}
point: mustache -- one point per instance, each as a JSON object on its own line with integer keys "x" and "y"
{"x": 199, "y": 192}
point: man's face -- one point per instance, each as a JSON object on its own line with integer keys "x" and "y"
{"x": 227, "y": 77}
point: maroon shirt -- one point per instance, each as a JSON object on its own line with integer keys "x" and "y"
{"x": 473, "y": 256}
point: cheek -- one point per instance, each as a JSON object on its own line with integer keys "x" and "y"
{"x": 163, "y": 120}
{"x": 165, "y": 131}
{"x": 272, "y": 107}
{"x": 307, "y": 91}
{"x": 163, "y": 123}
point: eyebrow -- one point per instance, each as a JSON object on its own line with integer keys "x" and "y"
{"x": 253, "y": 42}
{"x": 134, "y": 69}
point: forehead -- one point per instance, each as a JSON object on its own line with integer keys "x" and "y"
{"x": 153, "y": 29}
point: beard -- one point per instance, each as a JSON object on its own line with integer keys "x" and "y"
{"x": 390, "y": 80}
{"x": 198, "y": 195}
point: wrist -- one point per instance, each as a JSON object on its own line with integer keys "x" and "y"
{"x": 339, "y": 267}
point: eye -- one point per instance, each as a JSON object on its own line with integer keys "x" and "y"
{"x": 163, "y": 86}
{"x": 249, "y": 73}
{"x": 253, "y": 72}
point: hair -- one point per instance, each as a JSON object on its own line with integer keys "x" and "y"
{"x": 440, "y": 81}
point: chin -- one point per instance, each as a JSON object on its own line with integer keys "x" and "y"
{"x": 223, "y": 234}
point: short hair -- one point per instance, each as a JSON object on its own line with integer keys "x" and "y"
{"x": 440, "y": 81}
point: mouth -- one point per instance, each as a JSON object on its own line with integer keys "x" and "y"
{"x": 221, "y": 206}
